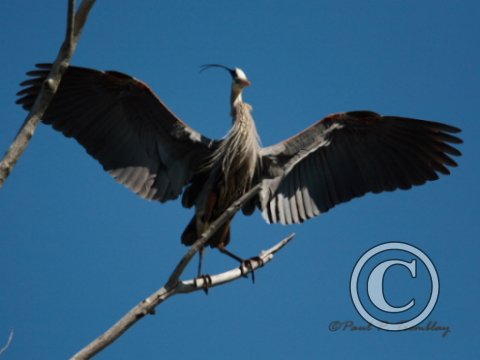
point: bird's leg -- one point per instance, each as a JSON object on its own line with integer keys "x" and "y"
{"x": 207, "y": 280}
{"x": 223, "y": 250}
{"x": 244, "y": 263}
{"x": 200, "y": 261}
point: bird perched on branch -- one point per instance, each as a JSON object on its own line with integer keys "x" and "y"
{"x": 147, "y": 148}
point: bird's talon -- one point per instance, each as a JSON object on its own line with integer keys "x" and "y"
{"x": 248, "y": 265}
{"x": 244, "y": 269}
{"x": 206, "y": 283}
{"x": 259, "y": 260}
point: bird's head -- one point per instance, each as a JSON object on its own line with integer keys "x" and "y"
{"x": 239, "y": 80}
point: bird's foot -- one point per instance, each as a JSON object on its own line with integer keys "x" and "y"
{"x": 246, "y": 266}
{"x": 206, "y": 282}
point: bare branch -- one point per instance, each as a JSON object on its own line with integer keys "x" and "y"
{"x": 74, "y": 28}
{"x": 70, "y": 23}
{"x": 9, "y": 341}
{"x": 148, "y": 305}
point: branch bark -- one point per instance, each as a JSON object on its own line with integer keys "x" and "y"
{"x": 75, "y": 24}
{"x": 175, "y": 286}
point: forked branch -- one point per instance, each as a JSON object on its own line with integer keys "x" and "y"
{"x": 175, "y": 286}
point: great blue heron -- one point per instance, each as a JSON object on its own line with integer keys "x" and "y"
{"x": 143, "y": 145}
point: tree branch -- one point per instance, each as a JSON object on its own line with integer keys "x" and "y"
{"x": 175, "y": 286}
{"x": 148, "y": 305}
{"x": 75, "y": 24}
{"x": 9, "y": 341}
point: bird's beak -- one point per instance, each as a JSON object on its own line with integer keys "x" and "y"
{"x": 246, "y": 83}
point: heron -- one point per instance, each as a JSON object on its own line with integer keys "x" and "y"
{"x": 143, "y": 145}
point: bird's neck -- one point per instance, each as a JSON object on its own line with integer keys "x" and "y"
{"x": 236, "y": 97}
{"x": 238, "y": 153}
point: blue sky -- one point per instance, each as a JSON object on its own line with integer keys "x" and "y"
{"x": 78, "y": 250}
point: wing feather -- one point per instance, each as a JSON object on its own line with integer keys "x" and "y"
{"x": 125, "y": 126}
{"x": 347, "y": 155}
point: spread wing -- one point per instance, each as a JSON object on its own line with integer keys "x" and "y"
{"x": 125, "y": 126}
{"x": 347, "y": 155}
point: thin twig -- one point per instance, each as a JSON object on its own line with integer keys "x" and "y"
{"x": 9, "y": 341}
{"x": 74, "y": 28}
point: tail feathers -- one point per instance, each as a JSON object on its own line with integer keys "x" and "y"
{"x": 190, "y": 233}
{"x": 220, "y": 237}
